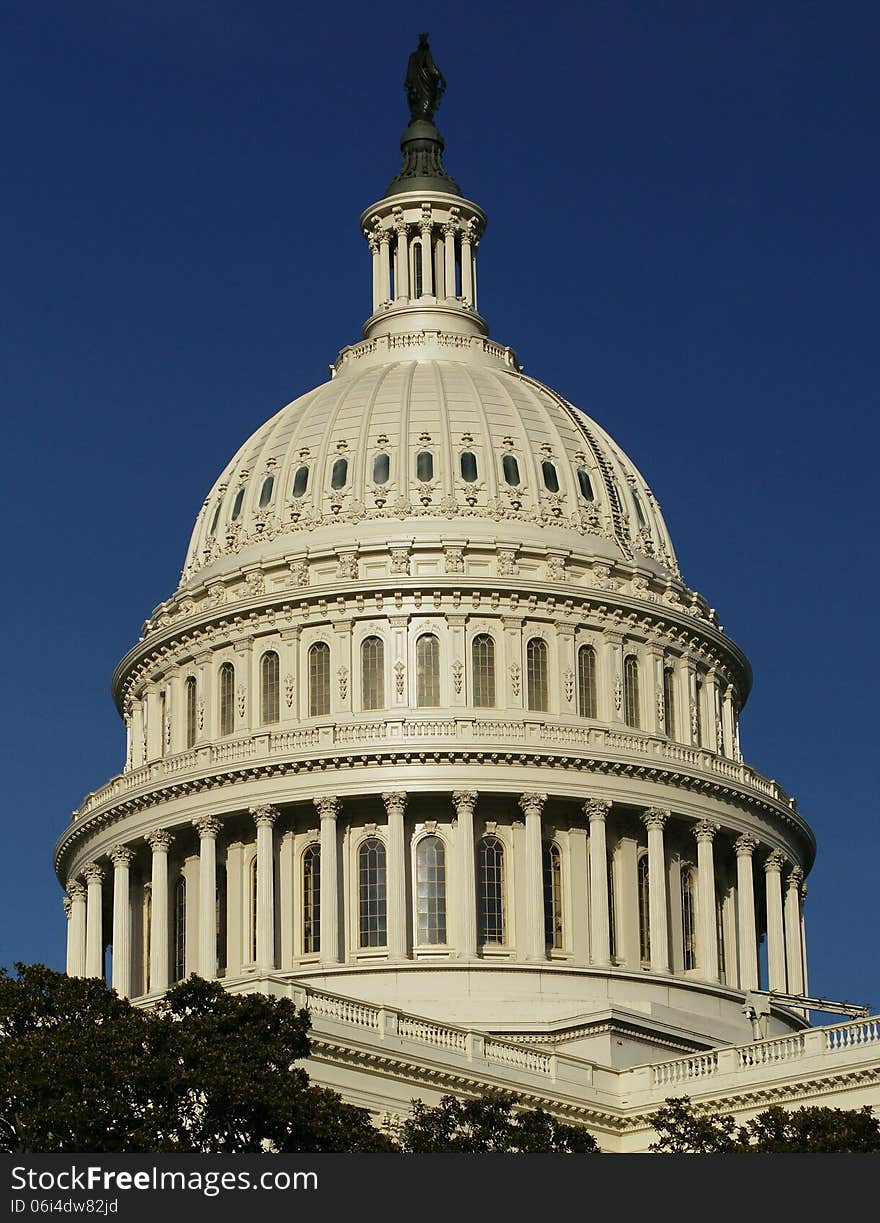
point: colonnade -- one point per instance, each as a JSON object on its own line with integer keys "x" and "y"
{"x": 426, "y": 258}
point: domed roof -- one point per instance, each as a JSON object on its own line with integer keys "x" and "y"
{"x": 421, "y": 435}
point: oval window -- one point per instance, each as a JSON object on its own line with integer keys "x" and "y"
{"x": 300, "y": 481}
{"x": 510, "y": 467}
{"x": 424, "y": 465}
{"x": 236, "y": 505}
{"x": 339, "y": 474}
{"x": 266, "y": 491}
{"x": 214, "y": 521}
{"x": 551, "y": 480}
{"x": 381, "y": 469}
{"x": 585, "y": 485}
{"x": 468, "y": 463}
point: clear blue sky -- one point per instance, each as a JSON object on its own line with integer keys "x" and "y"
{"x": 683, "y": 239}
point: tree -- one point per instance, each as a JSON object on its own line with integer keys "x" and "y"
{"x": 489, "y": 1123}
{"x": 681, "y": 1129}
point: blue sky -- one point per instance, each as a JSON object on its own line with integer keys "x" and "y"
{"x": 683, "y": 202}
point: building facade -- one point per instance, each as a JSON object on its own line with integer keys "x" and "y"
{"x": 434, "y": 738}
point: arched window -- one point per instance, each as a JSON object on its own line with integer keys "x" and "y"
{"x": 585, "y": 486}
{"x": 644, "y": 885}
{"x": 180, "y": 928}
{"x": 227, "y": 699}
{"x": 319, "y": 679}
{"x": 537, "y": 679}
{"x": 372, "y": 892}
{"x": 237, "y": 503}
{"x": 311, "y": 899}
{"x": 431, "y": 891}
{"x": 300, "y": 482}
{"x": 669, "y": 702}
{"x": 551, "y": 479}
{"x": 339, "y": 473}
{"x": 468, "y": 466}
{"x": 427, "y": 670}
{"x": 190, "y": 711}
{"x": 146, "y": 935}
{"x": 163, "y": 722}
{"x": 270, "y": 688}
{"x": 416, "y": 273}
{"x": 212, "y": 529}
{"x": 689, "y": 916}
{"x": 252, "y": 894}
{"x": 424, "y": 466}
{"x": 510, "y": 467}
{"x": 631, "y": 712}
{"x": 266, "y": 491}
{"x": 552, "y": 896}
{"x": 698, "y": 713}
{"x": 483, "y": 658}
{"x": 587, "y": 685}
{"x": 640, "y": 513}
{"x": 719, "y": 935}
{"x": 381, "y": 469}
{"x": 490, "y": 891}
{"x": 220, "y": 917}
{"x": 612, "y": 910}
{"x": 373, "y": 673}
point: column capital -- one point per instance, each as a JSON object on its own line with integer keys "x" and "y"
{"x": 93, "y": 873}
{"x": 121, "y": 855}
{"x": 395, "y": 802}
{"x": 75, "y": 890}
{"x": 704, "y": 831}
{"x": 464, "y": 801}
{"x": 329, "y": 808}
{"x": 775, "y": 861}
{"x": 208, "y": 826}
{"x": 745, "y": 845}
{"x": 597, "y": 808}
{"x": 532, "y": 804}
{"x": 795, "y": 878}
{"x": 264, "y": 814}
{"x": 67, "y": 905}
{"x": 656, "y": 817}
{"x": 159, "y": 840}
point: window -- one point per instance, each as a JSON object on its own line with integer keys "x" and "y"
{"x": 190, "y": 711}
{"x": 669, "y": 702}
{"x": 612, "y": 911}
{"x": 587, "y": 687}
{"x": 698, "y": 713}
{"x": 631, "y": 713}
{"x": 319, "y": 679}
{"x": 227, "y": 699}
{"x": 266, "y": 491}
{"x": 719, "y": 935}
{"x": 424, "y": 466}
{"x": 311, "y": 901}
{"x": 372, "y": 893}
{"x": 431, "y": 891}
{"x": 551, "y": 479}
{"x": 468, "y": 466}
{"x": 536, "y": 674}
{"x": 339, "y": 473}
{"x": 490, "y": 891}
{"x": 585, "y": 486}
{"x": 163, "y": 721}
{"x": 483, "y": 658}
{"x": 300, "y": 482}
{"x": 220, "y": 917}
{"x": 418, "y": 287}
{"x": 381, "y": 469}
{"x": 236, "y": 505}
{"x": 427, "y": 670}
{"x": 510, "y": 467}
{"x": 253, "y": 913}
{"x": 146, "y": 935}
{"x": 640, "y": 512}
{"x": 688, "y": 917}
{"x": 373, "y": 673}
{"x": 214, "y": 520}
{"x": 270, "y": 688}
{"x": 552, "y": 896}
{"x": 180, "y": 929}
{"x": 644, "y": 884}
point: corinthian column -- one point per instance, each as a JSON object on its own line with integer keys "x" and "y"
{"x": 533, "y": 805}
{"x": 76, "y": 930}
{"x": 707, "y": 931}
{"x": 121, "y": 857}
{"x": 94, "y": 877}
{"x": 464, "y": 802}
{"x": 159, "y": 842}
{"x": 208, "y": 827}
{"x": 655, "y": 821}
{"x": 395, "y": 807}
{"x": 775, "y": 936}
{"x": 747, "y": 939}
{"x": 329, "y": 810}
{"x": 264, "y": 818}
{"x": 793, "y": 951}
{"x": 596, "y": 811}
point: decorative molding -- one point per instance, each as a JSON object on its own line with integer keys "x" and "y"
{"x": 655, "y": 817}
{"x": 121, "y": 855}
{"x": 93, "y": 873}
{"x": 457, "y": 675}
{"x": 597, "y": 809}
{"x": 342, "y": 677}
{"x": 775, "y": 861}
{"x": 532, "y": 803}
{"x": 395, "y": 803}
{"x": 329, "y": 807}
{"x": 705, "y": 831}
{"x": 159, "y": 840}
{"x": 208, "y": 826}
{"x": 745, "y": 845}
{"x": 264, "y": 814}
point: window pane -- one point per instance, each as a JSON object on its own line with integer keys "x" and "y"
{"x": 490, "y": 896}
{"x": 669, "y": 702}
{"x": 373, "y": 673}
{"x": 427, "y": 670}
{"x": 587, "y": 686}
{"x": 688, "y": 921}
{"x": 483, "y": 654}
{"x": 191, "y": 711}
{"x": 266, "y": 491}
{"x": 312, "y": 900}
{"x": 468, "y": 466}
{"x": 510, "y": 468}
{"x": 585, "y": 485}
{"x": 180, "y": 929}
{"x": 552, "y": 896}
{"x": 270, "y": 702}
{"x": 236, "y": 505}
{"x": 339, "y": 473}
{"x": 551, "y": 479}
{"x": 536, "y": 674}
{"x": 227, "y": 699}
{"x": 644, "y": 909}
{"x": 431, "y": 891}
{"x": 381, "y": 469}
{"x": 300, "y": 481}
{"x": 640, "y": 513}
{"x": 213, "y": 527}
{"x": 631, "y": 713}
{"x": 319, "y": 679}
{"x": 372, "y": 894}
{"x": 424, "y": 465}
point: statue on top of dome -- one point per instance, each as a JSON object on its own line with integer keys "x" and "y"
{"x": 425, "y": 84}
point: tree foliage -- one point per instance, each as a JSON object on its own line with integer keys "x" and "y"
{"x": 489, "y": 1123}
{"x": 683, "y": 1130}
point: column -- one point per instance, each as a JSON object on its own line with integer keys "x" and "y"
{"x": 285, "y": 900}
{"x": 727, "y": 721}
{"x": 94, "y": 877}
{"x": 467, "y": 277}
{"x": 596, "y": 811}
{"x": 712, "y": 719}
{"x": 154, "y": 727}
{"x": 747, "y": 939}
{"x": 234, "y": 908}
{"x": 395, "y": 807}
{"x": 611, "y": 681}
{"x": 464, "y": 802}
{"x": 806, "y": 978}
{"x": 121, "y": 857}
{"x": 794, "y": 955}
{"x": 384, "y": 266}
{"x": 159, "y": 842}
{"x": 401, "y": 280}
{"x": 377, "y": 275}
{"x": 329, "y": 810}
{"x": 137, "y": 754}
{"x": 707, "y": 930}
{"x": 775, "y": 935}
{"x": 568, "y": 668}
{"x": 655, "y": 821}
{"x": 449, "y": 231}
{"x": 208, "y": 827}
{"x": 427, "y": 228}
{"x": 76, "y": 930}
{"x": 532, "y": 805}
{"x": 264, "y": 817}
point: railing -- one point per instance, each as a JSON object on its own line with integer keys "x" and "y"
{"x": 782, "y": 1049}
{"x": 683, "y": 1069}
{"x": 436, "y": 1034}
{"x": 518, "y": 1057}
{"x": 361, "y": 1014}
{"x": 850, "y": 1035}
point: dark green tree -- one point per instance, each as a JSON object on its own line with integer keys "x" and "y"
{"x": 681, "y": 1129}
{"x": 490, "y": 1123}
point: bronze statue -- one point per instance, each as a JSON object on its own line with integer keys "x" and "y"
{"x": 425, "y": 83}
